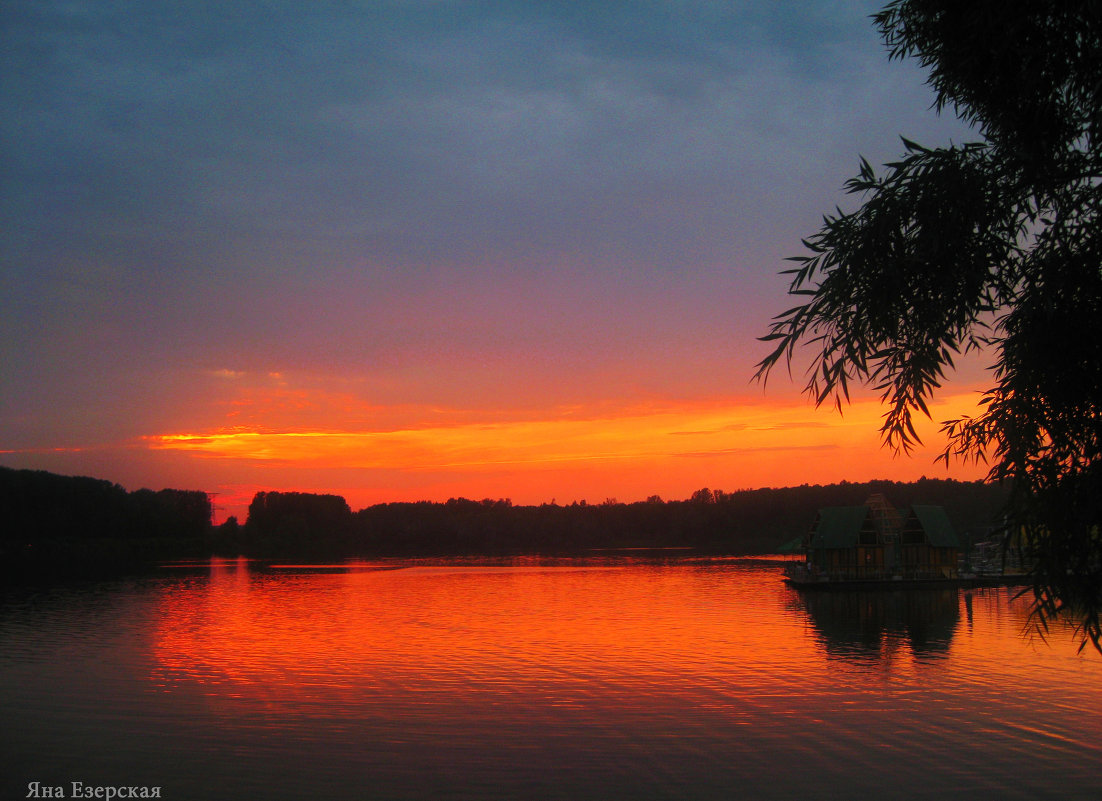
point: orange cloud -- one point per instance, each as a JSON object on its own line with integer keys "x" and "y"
{"x": 715, "y": 429}
{"x": 329, "y": 434}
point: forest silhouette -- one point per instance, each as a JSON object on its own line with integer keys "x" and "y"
{"x": 75, "y": 525}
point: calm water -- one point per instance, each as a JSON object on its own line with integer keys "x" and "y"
{"x": 633, "y": 681}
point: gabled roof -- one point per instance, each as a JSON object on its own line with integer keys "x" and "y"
{"x": 794, "y": 545}
{"x": 934, "y": 521}
{"x": 838, "y": 526}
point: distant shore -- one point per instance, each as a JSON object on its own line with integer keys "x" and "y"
{"x": 77, "y": 526}
{"x": 963, "y": 582}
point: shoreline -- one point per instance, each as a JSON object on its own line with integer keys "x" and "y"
{"x": 960, "y": 582}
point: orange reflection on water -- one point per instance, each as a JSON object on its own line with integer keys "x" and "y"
{"x": 594, "y": 668}
{"x": 561, "y": 635}
{"x": 723, "y": 643}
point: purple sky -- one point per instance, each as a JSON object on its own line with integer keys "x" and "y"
{"x": 496, "y": 210}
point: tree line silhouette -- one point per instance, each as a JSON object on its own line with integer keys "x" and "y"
{"x": 754, "y": 521}
{"x": 59, "y": 522}
{"x": 56, "y": 524}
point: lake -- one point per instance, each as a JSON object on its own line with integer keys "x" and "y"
{"x": 602, "y": 679}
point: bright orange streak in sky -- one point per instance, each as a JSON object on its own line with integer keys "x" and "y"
{"x": 691, "y": 430}
{"x": 631, "y": 453}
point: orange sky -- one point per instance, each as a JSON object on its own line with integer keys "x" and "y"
{"x": 272, "y": 432}
{"x": 525, "y": 254}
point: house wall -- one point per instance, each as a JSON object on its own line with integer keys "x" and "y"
{"x": 863, "y": 561}
{"x": 920, "y": 560}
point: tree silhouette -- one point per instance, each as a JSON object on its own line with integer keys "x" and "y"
{"x": 992, "y": 244}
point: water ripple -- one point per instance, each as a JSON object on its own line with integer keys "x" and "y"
{"x": 581, "y": 681}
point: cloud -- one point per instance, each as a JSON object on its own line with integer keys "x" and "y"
{"x": 480, "y": 207}
{"x": 790, "y": 448}
{"x": 281, "y": 424}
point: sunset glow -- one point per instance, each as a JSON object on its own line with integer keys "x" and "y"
{"x": 705, "y": 430}
{"x": 517, "y": 251}
{"x": 451, "y": 400}
{"x": 632, "y": 452}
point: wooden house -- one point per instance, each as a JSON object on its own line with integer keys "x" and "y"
{"x": 930, "y": 547}
{"x": 853, "y": 542}
{"x": 877, "y": 542}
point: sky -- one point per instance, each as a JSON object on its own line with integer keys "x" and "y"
{"x": 420, "y": 250}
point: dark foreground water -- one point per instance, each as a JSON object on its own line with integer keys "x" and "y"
{"x": 578, "y": 681}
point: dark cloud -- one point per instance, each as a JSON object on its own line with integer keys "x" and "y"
{"x": 547, "y": 188}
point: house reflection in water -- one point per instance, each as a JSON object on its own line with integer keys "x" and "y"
{"x": 869, "y": 623}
